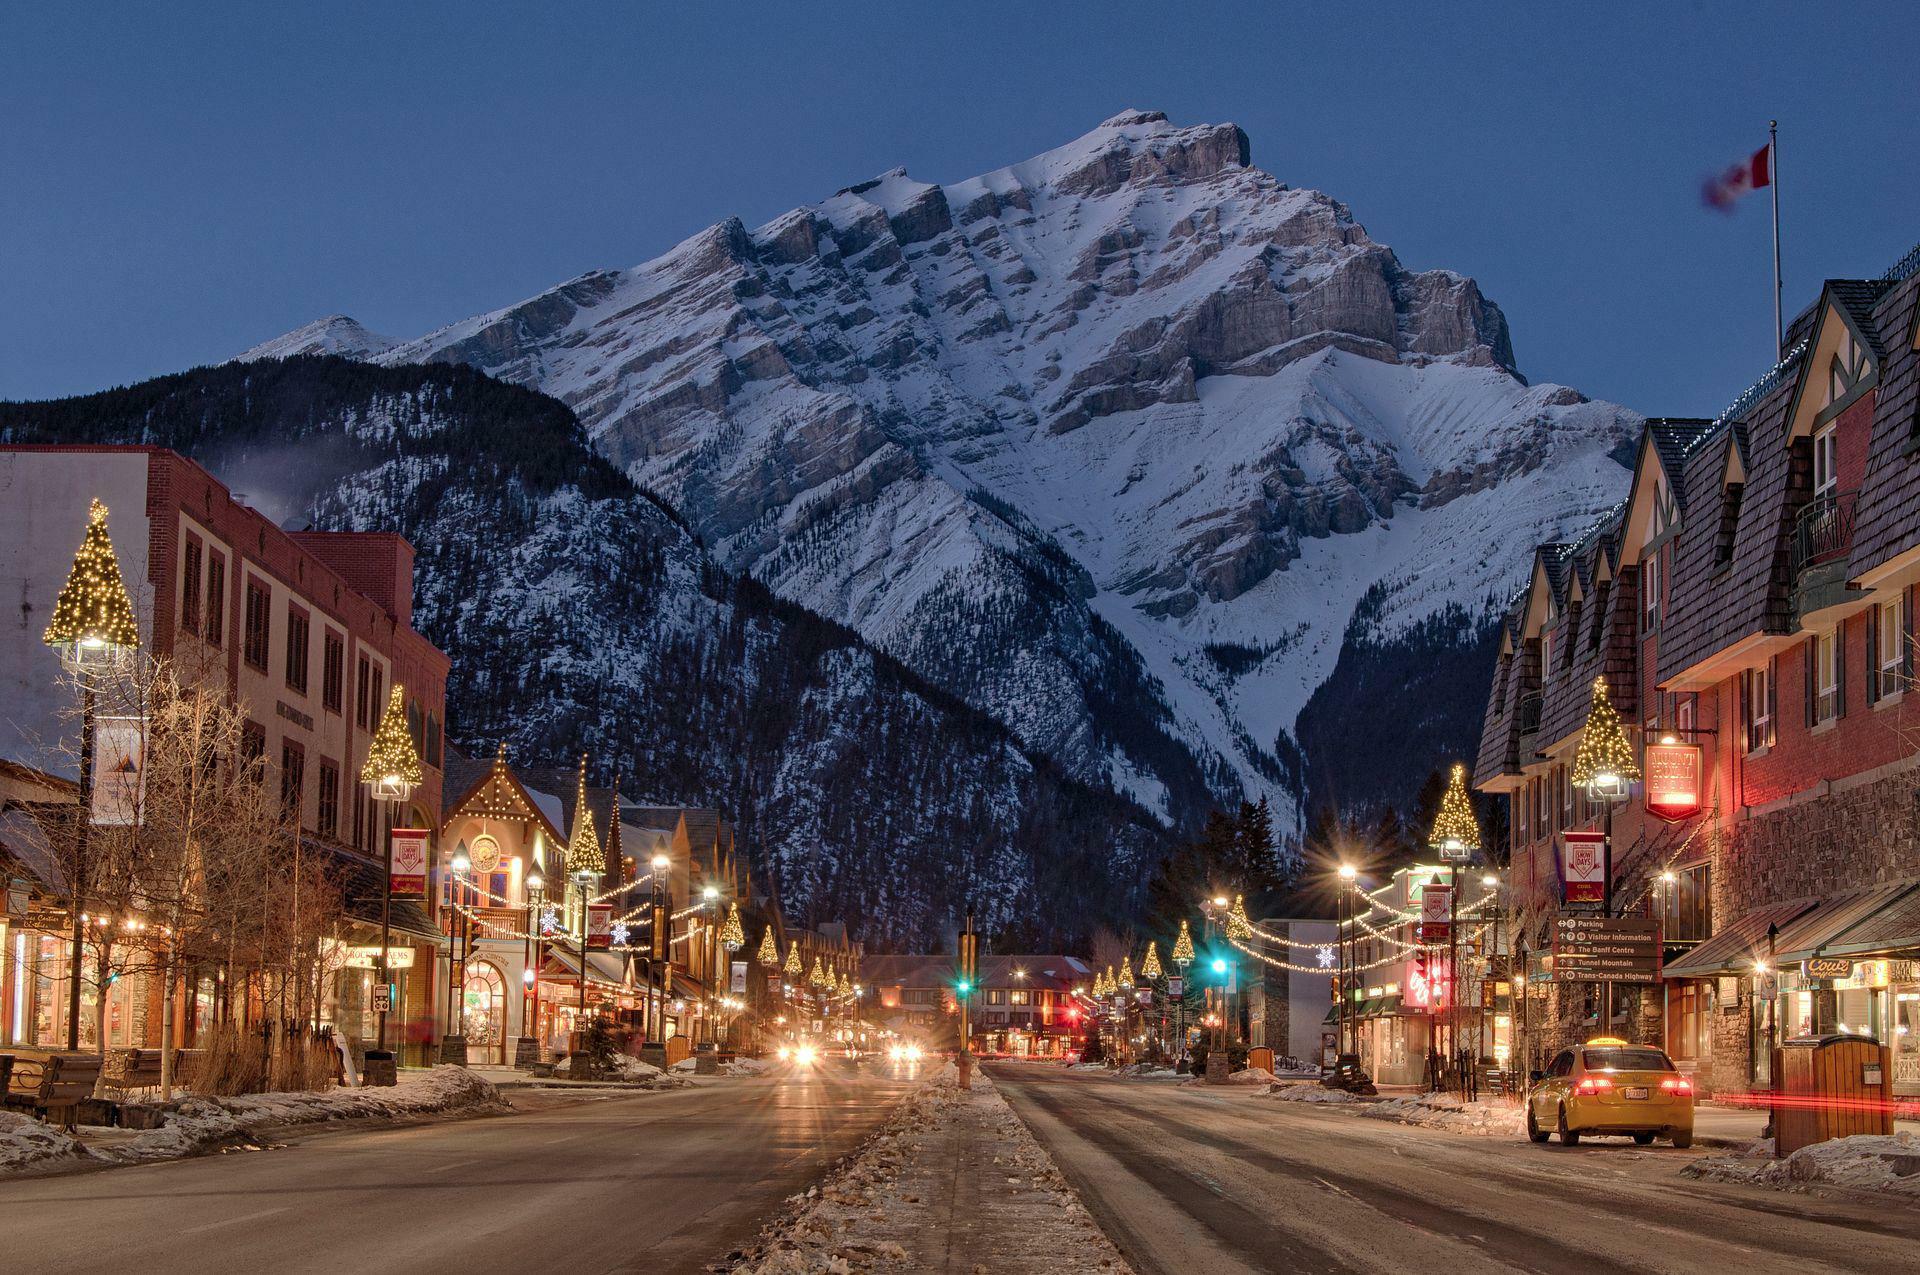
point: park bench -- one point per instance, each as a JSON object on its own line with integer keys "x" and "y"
{"x": 130, "y": 1069}
{"x": 45, "y": 1082}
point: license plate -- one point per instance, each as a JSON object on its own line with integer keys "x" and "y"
{"x": 1637, "y": 1091}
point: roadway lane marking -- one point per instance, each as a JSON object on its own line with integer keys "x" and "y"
{"x": 230, "y": 1221}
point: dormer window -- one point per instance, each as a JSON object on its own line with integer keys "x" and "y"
{"x": 1826, "y": 469}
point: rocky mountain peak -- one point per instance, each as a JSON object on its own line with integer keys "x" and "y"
{"x": 1059, "y": 433}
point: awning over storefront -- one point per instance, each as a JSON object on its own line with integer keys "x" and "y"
{"x": 1895, "y": 925}
{"x": 602, "y": 967}
{"x": 1733, "y": 949}
{"x": 1831, "y": 918}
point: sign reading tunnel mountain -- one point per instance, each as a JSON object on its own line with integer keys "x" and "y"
{"x": 1595, "y": 949}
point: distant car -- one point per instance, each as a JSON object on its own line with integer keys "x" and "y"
{"x": 1608, "y": 1086}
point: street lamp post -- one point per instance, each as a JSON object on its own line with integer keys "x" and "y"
{"x": 530, "y": 969}
{"x": 1348, "y": 875}
{"x": 1456, "y": 835}
{"x": 93, "y": 629}
{"x": 391, "y": 773}
{"x": 1604, "y": 765}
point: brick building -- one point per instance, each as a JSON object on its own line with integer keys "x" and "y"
{"x": 1751, "y": 598}
{"x": 307, "y": 630}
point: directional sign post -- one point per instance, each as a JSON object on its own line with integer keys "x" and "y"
{"x": 1595, "y": 949}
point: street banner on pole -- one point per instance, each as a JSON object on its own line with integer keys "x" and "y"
{"x": 410, "y": 860}
{"x": 119, "y": 769}
{"x": 1436, "y": 906}
{"x": 599, "y": 926}
{"x": 1583, "y": 866}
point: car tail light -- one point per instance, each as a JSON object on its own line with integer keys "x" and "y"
{"x": 1593, "y": 1084}
{"x": 1677, "y": 1084}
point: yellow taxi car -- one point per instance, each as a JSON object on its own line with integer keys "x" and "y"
{"x": 1608, "y": 1086}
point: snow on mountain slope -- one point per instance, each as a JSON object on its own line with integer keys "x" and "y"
{"x": 1110, "y": 442}
{"x": 335, "y": 334}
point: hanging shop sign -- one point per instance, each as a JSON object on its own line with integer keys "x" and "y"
{"x": 119, "y": 770}
{"x": 485, "y": 855}
{"x": 1606, "y": 949}
{"x": 410, "y": 860}
{"x": 1827, "y": 967}
{"x": 599, "y": 926}
{"x": 1583, "y": 866}
{"x": 1672, "y": 780}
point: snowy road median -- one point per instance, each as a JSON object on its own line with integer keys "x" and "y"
{"x": 954, "y": 1181}
{"x": 197, "y": 1125}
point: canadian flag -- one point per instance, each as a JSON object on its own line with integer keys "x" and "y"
{"x": 1743, "y": 178}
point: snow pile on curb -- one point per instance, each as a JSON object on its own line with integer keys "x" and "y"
{"x": 26, "y": 1143}
{"x": 1869, "y": 1162}
{"x": 889, "y": 1197}
{"x": 1246, "y": 1076}
{"x": 199, "y": 1124}
{"x": 1443, "y": 1111}
{"x": 1310, "y": 1092}
{"x": 629, "y": 1070}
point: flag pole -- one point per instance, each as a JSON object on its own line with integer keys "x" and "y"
{"x": 1773, "y": 164}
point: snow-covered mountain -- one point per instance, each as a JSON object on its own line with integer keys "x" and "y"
{"x": 1112, "y": 442}
{"x": 582, "y": 615}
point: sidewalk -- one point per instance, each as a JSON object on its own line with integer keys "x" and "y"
{"x": 955, "y": 1183}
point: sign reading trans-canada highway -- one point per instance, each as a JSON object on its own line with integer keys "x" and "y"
{"x": 1595, "y": 949}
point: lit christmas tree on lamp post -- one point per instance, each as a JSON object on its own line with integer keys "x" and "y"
{"x": 1604, "y": 765}
{"x": 391, "y": 773}
{"x": 92, "y": 631}
{"x": 1456, "y": 836}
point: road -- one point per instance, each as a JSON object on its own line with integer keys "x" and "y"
{"x": 1185, "y": 1180}
{"x": 655, "y": 1183}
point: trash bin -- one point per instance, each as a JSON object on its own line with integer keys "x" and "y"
{"x": 1831, "y": 1087}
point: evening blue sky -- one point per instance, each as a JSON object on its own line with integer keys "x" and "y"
{"x": 175, "y": 186}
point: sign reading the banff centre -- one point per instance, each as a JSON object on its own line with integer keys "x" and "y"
{"x": 1599, "y": 949}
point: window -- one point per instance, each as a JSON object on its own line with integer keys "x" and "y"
{"x": 254, "y": 648}
{"x": 1886, "y": 651}
{"x": 253, "y": 743}
{"x": 215, "y": 628}
{"x": 1826, "y": 474}
{"x": 190, "y": 585}
{"x": 1650, "y": 592}
{"x": 297, "y": 650}
{"x": 333, "y": 671}
{"x": 328, "y": 821}
{"x": 1686, "y": 904}
{"x": 1824, "y": 680}
{"x": 1759, "y": 707}
{"x": 363, "y": 681}
{"x": 293, "y": 774}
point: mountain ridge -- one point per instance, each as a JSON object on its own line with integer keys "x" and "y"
{"x": 1050, "y": 433}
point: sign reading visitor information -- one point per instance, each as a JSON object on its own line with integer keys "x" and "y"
{"x": 410, "y": 860}
{"x": 1672, "y": 780}
{"x": 1583, "y": 866}
{"x": 1606, "y": 949}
